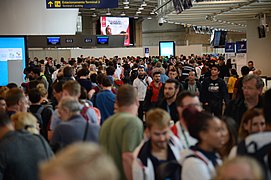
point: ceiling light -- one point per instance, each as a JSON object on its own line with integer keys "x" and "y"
{"x": 126, "y": 6}
{"x": 125, "y": 2}
{"x": 149, "y": 18}
{"x": 94, "y": 15}
{"x": 122, "y": 14}
{"x": 140, "y": 8}
{"x": 92, "y": 9}
{"x": 143, "y": 4}
{"x": 138, "y": 12}
{"x": 108, "y": 12}
{"x": 152, "y": 13}
{"x": 136, "y": 17}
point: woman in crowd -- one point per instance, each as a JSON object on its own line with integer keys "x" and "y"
{"x": 26, "y": 121}
{"x": 231, "y": 82}
{"x": 253, "y": 121}
{"x": 231, "y": 135}
{"x": 199, "y": 161}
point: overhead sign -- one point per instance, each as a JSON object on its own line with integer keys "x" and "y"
{"x": 241, "y": 47}
{"x": 229, "y": 47}
{"x": 50, "y": 4}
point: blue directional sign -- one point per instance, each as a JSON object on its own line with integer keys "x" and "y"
{"x": 55, "y": 4}
{"x": 230, "y": 47}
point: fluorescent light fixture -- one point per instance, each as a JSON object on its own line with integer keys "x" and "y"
{"x": 126, "y": 6}
{"x": 152, "y": 13}
{"x": 138, "y": 12}
{"x": 125, "y": 2}
{"x": 149, "y": 18}
{"x": 144, "y": 4}
{"x": 122, "y": 14}
{"x": 94, "y": 15}
{"x": 136, "y": 17}
{"x": 108, "y": 12}
{"x": 140, "y": 8}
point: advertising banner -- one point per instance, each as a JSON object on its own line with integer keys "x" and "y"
{"x": 116, "y": 26}
{"x": 241, "y": 47}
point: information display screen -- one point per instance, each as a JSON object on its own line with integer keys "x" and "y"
{"x": 167, "y": 48}
{"x": 11, "y": 49}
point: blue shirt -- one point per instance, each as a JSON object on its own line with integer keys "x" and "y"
{"x": 105, "y": 103}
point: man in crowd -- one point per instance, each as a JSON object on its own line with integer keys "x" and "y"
{"x": 192, "y": 85}
{"x": 252, "y": 89}
{"x": 73, "y": 89}
{"x": 105, "y": 100}
{"x": 214, "y": 91}
{"x": 151, "y": 98}
{"x": 159, "y": 149}
{"x": 238, "y": 86}
{"x": 184, "y": 100}
{"x": 74, "y": 127}
{"x": 224, "y": 70}
{"x": 258, "y": 145}
{"x": 122, "y": 132}
{"x": 171, "y": 90}
{"x": 21, "y": 152}
{"x": 16, "y": 101}
{"x": 141, "y": 83}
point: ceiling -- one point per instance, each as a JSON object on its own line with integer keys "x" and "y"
{"x": 147, "y": 9}
{"x": 231, "y": 15}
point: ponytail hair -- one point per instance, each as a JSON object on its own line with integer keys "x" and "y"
{"x": 196, "y": 121}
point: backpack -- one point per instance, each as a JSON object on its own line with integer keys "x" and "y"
{"x": 262, "y": 155}
{"x": 39, "y": 117}
{"x": 174, "y": 168}
{"x": 96, "y": 110}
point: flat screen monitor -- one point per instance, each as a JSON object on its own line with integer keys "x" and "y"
{"x": 102, "y": 39}
{"x": 219, "y": 39}
{"x": 167, "y": 48}
{"x": 53, "y": 40}
{"x": 116, "y": 26}
{"x": 261, "y": 31}
{"x": 12, "y": 59}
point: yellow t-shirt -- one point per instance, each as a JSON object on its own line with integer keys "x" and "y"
{"x": 231, "y": 83}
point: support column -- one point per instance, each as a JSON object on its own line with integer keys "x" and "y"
{"x": 88, "y": 25}
{"x": 259, "y": 49}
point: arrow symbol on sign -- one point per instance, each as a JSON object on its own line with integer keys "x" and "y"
{"x": 50, "y": 3}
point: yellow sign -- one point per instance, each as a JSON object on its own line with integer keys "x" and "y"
{"x": 57, "y": 3}
{"x": 50, "y": 3}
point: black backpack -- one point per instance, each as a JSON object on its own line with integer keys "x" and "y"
{"x": 261, "y": 155}
{"x": 173, "y": 169}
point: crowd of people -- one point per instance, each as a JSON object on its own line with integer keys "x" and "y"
{"x": 136, "y": 118}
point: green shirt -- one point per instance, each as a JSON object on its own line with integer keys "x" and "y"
{"x": 121, "y": 133}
